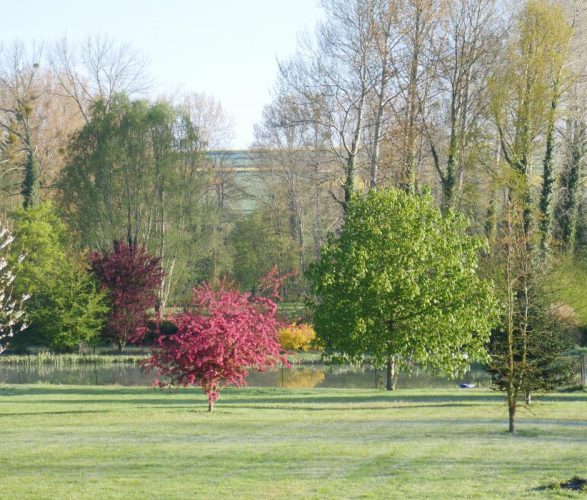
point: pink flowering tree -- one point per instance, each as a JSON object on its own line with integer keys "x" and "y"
{"x": 228, "y": 333}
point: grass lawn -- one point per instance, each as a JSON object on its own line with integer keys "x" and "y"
{"x": 114, "y": 442}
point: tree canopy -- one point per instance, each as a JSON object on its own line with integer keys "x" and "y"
{"x": 400, "y": 282}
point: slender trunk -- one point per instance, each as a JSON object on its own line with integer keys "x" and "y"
{"x": 30, "y": 185}
{"x": 512, "y": 421}
{"x": 349, "y": 185}
{"x": 374, "y": 168}
{"x": 528, "y": 398}
{"x": 210, "y": 406}
{"x": 449, "y": 184}
{"x": 408, "y": 183}
{"x": 391, "y": 375}
{"x": 491, "y": 218}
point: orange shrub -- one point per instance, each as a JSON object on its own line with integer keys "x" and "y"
{"x": 297, "y": 337}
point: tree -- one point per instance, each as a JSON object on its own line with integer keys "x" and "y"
{"x": 20, "y": 92}
{"x": 566, "y": 211}
{"x": 228, "y": 334}
{"x": 332, "y": 80}
{"x": 400, "y": 282}
{"x": 12, "y": 314}
{"x": 97, "y": 70}
{"x": 66, "y": 309}
{"x": 132, "y": 278}
{"x": 525, "y": 91}
{"x": 527, "y": 344}
{"x": 259, "y": 246}
{"x": 464, "y": 48}
{"x": 137, "y": 169}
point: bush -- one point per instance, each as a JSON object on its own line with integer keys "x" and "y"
{"x": 297, "y": 337}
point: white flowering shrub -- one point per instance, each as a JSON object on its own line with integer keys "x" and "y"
{"x": 12, "y": 315}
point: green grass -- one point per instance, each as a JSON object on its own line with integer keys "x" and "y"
{"x": 113, "y": 442}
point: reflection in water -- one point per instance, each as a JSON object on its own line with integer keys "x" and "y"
{"x": 317, "y": 375}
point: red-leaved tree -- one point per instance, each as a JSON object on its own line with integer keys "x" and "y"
{"x": 228, "y": 333}
{"x": 132, "y": 278}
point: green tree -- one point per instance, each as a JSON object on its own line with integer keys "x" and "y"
{"x": 400, "y": 282}
{"x": 65, "y": 309}
{"x": 258, "y": 246}
{"x": 525, "y": 93}
{"x": 566, "y": 212}
{"x": 136, "y": 174}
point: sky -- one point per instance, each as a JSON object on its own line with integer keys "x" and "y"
{"x": 225, "y": 48}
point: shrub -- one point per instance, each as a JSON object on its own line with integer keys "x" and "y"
{"x": 297, "y": 337}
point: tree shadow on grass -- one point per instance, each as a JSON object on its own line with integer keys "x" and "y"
{"x": 258, "y": 396}
{"x": 69, "y": 412}
{"x": 252, "y": 405}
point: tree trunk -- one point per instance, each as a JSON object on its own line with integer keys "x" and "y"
{"x": 547, "y": 182}
{"x": 391, "y": 375}
{"x": 30, "y": 185}
{"x": 210, "y": 406}
{"x": 528, "y": 398}
{"x": 512, "y": 415}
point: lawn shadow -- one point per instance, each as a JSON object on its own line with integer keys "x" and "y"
{"x": 70, "y": 412}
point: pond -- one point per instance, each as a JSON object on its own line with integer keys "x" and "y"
{"x": 298, "y": 376}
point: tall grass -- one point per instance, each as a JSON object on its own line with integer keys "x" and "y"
{"x": 47, "y": 358}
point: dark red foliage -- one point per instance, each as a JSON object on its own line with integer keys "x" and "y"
{"x": 229, "y": 333}
{"x": 132, "y": 278}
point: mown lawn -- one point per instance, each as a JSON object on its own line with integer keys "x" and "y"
{"x": 113, "y": 442}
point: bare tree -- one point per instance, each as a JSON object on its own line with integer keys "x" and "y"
{"x": 334, "y": 77}
{"x": 96, "y": 70}
{"x": 464, "y": 48}
{"x": 21, "y": 91}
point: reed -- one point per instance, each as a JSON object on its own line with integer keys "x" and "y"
{"x": 48, "y": 358}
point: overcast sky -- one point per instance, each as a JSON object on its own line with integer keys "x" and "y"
{"x": 226, "y": 48}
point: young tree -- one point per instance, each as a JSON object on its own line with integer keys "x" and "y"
{"x": 228, "y": 334}
{"x": 400, "y": 282}
{"x": 527, "y": 344}
{"x": 132, "y": 278}
{"x": 12, "y": 314}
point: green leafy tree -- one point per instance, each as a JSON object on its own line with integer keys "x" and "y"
{"x": 66, "y": 309}
{"x": 525, "y": 93}
{"x": 400, "y": 283}
{"x": 259, "y": 246}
